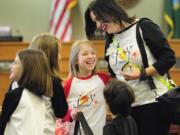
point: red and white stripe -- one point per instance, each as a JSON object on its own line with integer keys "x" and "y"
{"x": 60, "y": 24}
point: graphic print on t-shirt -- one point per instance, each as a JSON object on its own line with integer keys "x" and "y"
{"x": 85, "y": 101}
{"x": 120, "y": 57}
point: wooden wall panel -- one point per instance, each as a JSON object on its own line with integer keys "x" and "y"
{"x": 175, "y": 72}
{"x": 4, "y": 83}
{"x": 175, "y": 45}
{"x": 8, "y": 51}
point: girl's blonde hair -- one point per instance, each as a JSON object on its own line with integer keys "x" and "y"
{"x": 73, "y": 66}
{"x": 50, "y": 45}
{"x": 36, "y": 76}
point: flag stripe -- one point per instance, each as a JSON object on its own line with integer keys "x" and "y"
{"x": 63, "y": 24}
{"x": 68, "y": 33}
{"x": 172, "y": 17}
{"x": 58, "y": 12}
{"x": 55, "y": 5}
{"x": 61, "y": 17}
{"x": 170, "y": 22}
{"x": 66, "y": 28}
{"x": 60, "y": 24}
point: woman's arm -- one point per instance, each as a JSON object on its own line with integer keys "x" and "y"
{"x": 159, "y": 47}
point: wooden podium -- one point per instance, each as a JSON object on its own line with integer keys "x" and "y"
{"x": 8, "y": 52}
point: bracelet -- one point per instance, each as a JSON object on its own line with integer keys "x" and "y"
{"x": 143, "y": 75}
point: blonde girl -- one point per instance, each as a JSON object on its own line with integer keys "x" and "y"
{"x": 50, "y": 45}
{"x": 84, "y": 89}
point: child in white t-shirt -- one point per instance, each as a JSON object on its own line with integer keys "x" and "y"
{"x": 84, "y": 89}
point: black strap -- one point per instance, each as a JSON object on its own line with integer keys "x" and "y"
{"x": 76, "y": 128}
{"x": 144, "y": 55}
{"x": 81, "y": 119}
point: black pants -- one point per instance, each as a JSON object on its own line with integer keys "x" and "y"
{"x": 151, "y": 119}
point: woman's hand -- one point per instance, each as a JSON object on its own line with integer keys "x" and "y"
{"x": 133, "y": 75}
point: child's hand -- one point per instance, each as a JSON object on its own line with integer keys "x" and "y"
{"x": 73, "y": 114}
{"x": 62, "y": 127}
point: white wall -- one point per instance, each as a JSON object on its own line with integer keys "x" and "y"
{"x": 30, "y": 17}
{"x": 26, "y": 16}
{"x": 152, "y": 9}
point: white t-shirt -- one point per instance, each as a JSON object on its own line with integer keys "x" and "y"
{"x": 124, "y": 54}
{"x": 32, "y": 116}
{"x": 87, "y": 96}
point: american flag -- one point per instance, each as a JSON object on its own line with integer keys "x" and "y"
{"x": 60, "y": 24}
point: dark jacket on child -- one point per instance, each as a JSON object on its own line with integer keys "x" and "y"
{"x": 121, "y": 126}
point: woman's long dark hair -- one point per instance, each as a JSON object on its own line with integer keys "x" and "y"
{"x": 105, "y": 11}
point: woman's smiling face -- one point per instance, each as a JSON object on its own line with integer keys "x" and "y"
{"x": 109, "y": 27}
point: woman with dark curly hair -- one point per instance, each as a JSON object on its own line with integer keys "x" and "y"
{"x": 138, "y": 53}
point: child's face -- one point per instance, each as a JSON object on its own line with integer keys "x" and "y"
{"x": 16, "y": 69}
{"x": 86, "y": 59}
